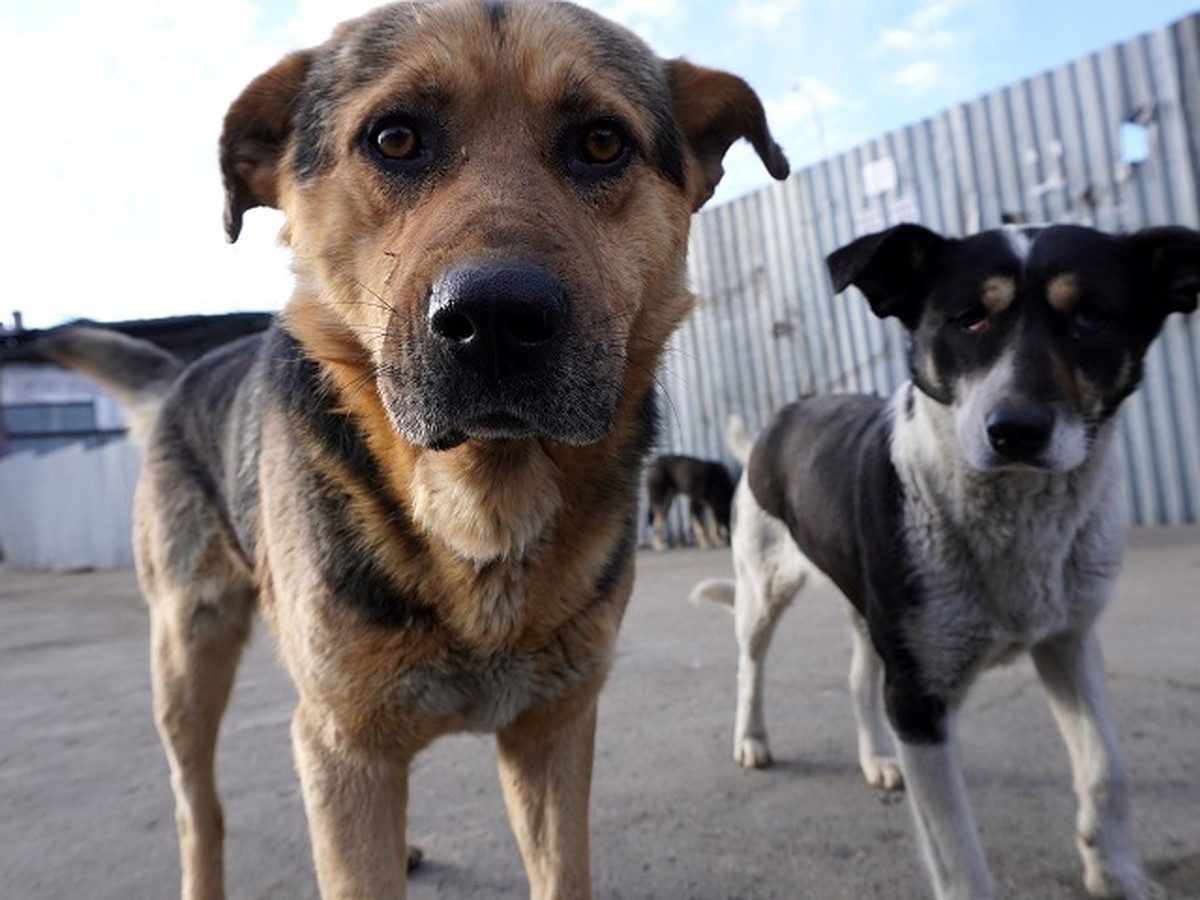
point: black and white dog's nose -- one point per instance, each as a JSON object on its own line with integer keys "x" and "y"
{"x": 1020, "y": 431}
{"x": 500, "y": 317}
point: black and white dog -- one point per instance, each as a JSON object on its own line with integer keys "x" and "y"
{"x": 976, "y": 514}
{"x": 709, "y": 488}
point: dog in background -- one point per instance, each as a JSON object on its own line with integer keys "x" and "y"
{"x": 708, "y": 487}
{"x": 976, "y": 514}
{"x": 425, "y": 474}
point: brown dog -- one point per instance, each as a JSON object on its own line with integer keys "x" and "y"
{"x": 425, "y": 474}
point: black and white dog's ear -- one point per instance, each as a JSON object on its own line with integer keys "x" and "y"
{"x": 892, "y": 268}
{"x": 1170, "y": 256}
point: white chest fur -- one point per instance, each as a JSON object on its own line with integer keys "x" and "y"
{"x": 1005, "y": 558}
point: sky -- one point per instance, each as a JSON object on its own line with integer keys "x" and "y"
{"x": 111, "y": 111}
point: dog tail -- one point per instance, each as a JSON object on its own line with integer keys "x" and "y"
{"x": 138, "y": 373}
{"x": 740, "y": 443}
{"x": 720, "y": 591}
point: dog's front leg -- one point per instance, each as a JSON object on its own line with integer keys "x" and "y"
{"x": 700, "y": 524}
{"x": 945, "y": 824}
{"x": 356, "y": 802}
{"x": 546, "y": 771}
{"x": 1072, "y": 672}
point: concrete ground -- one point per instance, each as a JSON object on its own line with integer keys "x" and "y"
{"x": 85, "y": 808}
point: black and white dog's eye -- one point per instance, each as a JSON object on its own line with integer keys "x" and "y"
{"x": 1087, "y": 320}
{"x": 973, "y": 321}
{"x": 598, "y": 150}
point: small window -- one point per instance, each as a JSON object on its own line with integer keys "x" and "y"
{"x": 1135, "y": 143}
{"x": 48, "y": 418}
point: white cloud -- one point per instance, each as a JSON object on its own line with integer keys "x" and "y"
{"x": 807, "y": 99}
{"x": 910, "y": 40}
{"x": 932, "y": 14}
{"x": 764, "y": 13}
{"x": 919, "y": 77}
{"x": 921, "y": 31}
{"x": 798, "y": 119}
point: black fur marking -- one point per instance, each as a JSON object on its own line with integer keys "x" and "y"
{"x": 891, "y": 592}
{"x": 211, "y": 401}
{"x": 649, "y": 422}
{"x": 823, "y": 467}
{"x": 617, "y": 562}
{"x": 310, "y": 404}
{"x": 338, "y": 67}
{"x": 496, "y": 11}
{"x": 311, "y": 155}
{"x": 351, "y": 571}
{"x": 918, "y": 717}
{"x": 348, "y": 567}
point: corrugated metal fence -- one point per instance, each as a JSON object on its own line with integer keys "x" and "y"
{"x": 1111, "y": 140}
{"x": 69, "y": 509}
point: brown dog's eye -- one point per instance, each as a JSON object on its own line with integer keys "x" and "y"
{"x": 400, "y": 142}
{"x": 405, "y": 145}
{"x": 597, "y": 150}
{"x": 603, "y": 145}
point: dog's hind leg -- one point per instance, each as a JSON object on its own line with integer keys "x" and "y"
{"x": 662, "y": 495}
{"x": 875, "y": 756}
{"x": 197, "y": 633}
{"x": 1072, "y": 673}
{"x": 758, "y": 606}
{"x": 718, "y": 535}
{"x": 658, "y": 527}
{"x": 699, "y": 523}
{"x": 770, "y": 571}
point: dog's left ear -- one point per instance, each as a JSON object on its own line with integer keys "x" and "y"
{"x": 1170, "y": 256}
{"x": 257, "y": 128}
{"x": 714, "y": 109}
{"x": 893, "y": 268}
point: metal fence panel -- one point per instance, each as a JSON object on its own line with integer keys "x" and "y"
{"x": 69, "y": 509}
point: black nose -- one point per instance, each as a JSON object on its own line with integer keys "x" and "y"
{"x": 1019, "y": 431}
{"x": 498, "y": 316}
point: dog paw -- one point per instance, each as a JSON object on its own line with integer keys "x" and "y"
{"x": 883, "y": 772}
{"x": 1122, "y": 882}
{"x": 415, "y": 857}
{"x": 752, "y": 753}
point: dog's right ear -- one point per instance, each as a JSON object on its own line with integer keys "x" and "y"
{"x": 256, "y": 132}
{"x": 1170, "y": 256}
{"x": 892, "y": 268}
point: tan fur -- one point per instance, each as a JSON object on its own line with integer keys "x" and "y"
{"x": 998, "y": 293}
{"x": 504, "y": 541}
{"x": 1062, "y": 292}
